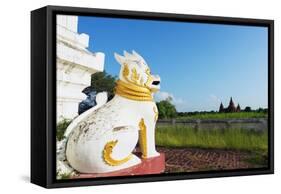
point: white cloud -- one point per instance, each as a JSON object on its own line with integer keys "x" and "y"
{"x": 162, "y": 96}
{"x": 175, "y": 100}
{"x": 214, "y": 101}
{"x": 214, "y": 98}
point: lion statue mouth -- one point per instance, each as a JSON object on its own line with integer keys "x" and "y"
{"x": 155, "y": 85}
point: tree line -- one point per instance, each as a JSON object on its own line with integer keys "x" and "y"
{"x": 103, "y": 81}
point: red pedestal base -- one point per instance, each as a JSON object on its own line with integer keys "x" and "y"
{"x": 153, "y": 165}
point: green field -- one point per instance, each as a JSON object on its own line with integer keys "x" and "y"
{"x": 238, "y": 139}
{"x": 216, "y": 115}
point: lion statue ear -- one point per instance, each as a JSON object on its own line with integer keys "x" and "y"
{"x": 129, "y": 55}
{"x": 120, "y": 59}
{"x": 138, "y": 56}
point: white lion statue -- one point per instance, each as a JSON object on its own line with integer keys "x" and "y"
{"x": 103, "y": 138}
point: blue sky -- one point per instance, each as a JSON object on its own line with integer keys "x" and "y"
{"x": 200, "y": 65}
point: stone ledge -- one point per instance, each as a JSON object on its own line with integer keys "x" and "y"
{"x": 91, "y": 62}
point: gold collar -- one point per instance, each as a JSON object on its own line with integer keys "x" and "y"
{"x": 133, "y": 91}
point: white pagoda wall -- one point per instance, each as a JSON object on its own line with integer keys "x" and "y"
{"x": 75, "y": 64}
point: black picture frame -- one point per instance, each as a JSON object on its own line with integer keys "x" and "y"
{"x": 43, "y": 95}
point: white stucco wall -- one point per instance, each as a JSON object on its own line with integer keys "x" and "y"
{"x": 75, "y": 64}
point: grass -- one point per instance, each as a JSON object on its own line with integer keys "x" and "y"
{"x": 63, "y": 176}
{"x": 216, "y": 115}
{"x": 61, "y": 127}
{"x": 238, "y": 139}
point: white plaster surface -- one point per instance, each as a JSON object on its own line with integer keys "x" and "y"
{"x": 75, "y": 64}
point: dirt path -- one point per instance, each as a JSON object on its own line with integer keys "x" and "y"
{"x": 194, "y": 159}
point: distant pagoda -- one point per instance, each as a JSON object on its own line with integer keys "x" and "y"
{"x": 221, "y": 108}
{"x": 238, "y": 109}
{"x": 231, "y": 107}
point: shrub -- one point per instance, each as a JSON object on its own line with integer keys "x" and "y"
{"x": 61, "y": 127}
{"x": 166, "y": 109}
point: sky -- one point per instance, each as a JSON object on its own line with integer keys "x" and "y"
{"x": 200, "y": 64}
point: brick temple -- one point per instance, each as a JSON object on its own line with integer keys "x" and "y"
{"x": 231, "y": 107}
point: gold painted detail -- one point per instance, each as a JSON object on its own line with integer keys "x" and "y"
{"x": 141, "y": 82}
{"x": 142, "y": 138}
{"x": 156, "y": 113}
{"x": 132, "y": 91}
{"x": 107, "y": 151}
{"x": 149, "y": 78}
{"x": 125, "y": 71}
{"x": 147, "y": 71}
{"x": 135, "y": 76}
